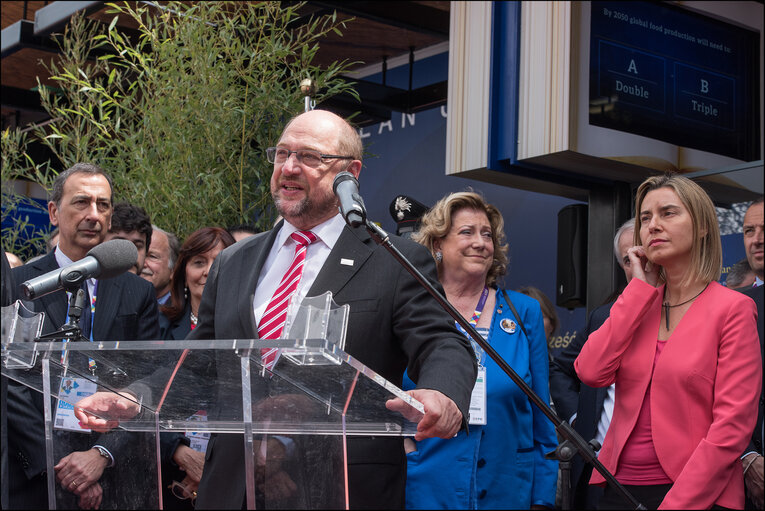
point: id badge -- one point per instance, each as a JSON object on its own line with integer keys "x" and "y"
{"x": 198, "y": 440}
{"x": 72, "y": 389}
{"x": 477, "y": 413}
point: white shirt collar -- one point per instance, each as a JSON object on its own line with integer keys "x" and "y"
{"x": 64, "y": 260}
{"x": 328, "y": 231}
{"x": 61, "y": 258}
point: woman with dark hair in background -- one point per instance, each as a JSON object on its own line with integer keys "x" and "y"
{"x": 684, "y": 354}
{"x": 179, "y": 316}
{"x": 182, "y": 471}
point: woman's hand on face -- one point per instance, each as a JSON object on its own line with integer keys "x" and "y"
{"x": 642, "y": 268}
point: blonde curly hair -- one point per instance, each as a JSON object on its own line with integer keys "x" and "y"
{"x": 437, "y": 223}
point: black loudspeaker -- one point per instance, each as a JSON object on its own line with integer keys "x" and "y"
{"x": 571, "y": 281}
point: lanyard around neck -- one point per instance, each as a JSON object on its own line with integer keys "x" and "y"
{"x": 479, "y": 353}
{"x": 479, "y": 307}
{"x": 478, "y": 310}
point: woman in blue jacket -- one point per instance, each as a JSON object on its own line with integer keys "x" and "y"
{"x": 500, "y": 464}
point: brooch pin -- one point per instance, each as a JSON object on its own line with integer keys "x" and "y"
{"x": 508, "y": 325}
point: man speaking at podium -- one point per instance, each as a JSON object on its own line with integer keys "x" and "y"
{"x": 394, "y": 323}
{"x": 81, "y": 207}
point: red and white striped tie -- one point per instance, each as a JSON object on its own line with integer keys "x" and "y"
{"x": 275, "y": 315}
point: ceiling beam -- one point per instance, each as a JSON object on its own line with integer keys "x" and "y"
{"x": 21, "y": 35}
{"x": 378, "y": 101}
{"x": 401, "y": 100}
{"x": 56, "y": 15}
{"x": 413, "y": 16}
{"x": 36, "y": 35}
{"x": 17, "y": 36}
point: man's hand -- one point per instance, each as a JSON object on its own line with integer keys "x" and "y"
{"x": 77, "y": 471}
{"x": 91, "y": 497}
{"x": 105, "y": 404}
{"x": 442, "y": 417}
{"x": 192, "y": 462}
{"x": 279, "y": 486}
{"x": 754, "y": 480}
{"x": 269, "y": 476}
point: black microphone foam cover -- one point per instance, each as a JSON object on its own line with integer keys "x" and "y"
{"x": 343, "y": 176}
{"x": 115, "y": 257}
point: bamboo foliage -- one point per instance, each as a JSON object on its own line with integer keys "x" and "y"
{"x": 20, "y": 236}
{"x": 181, "y": 114}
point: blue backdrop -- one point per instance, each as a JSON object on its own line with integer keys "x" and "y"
{"x": 407, "y": 156}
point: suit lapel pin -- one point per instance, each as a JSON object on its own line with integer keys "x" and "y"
{"x": 508, "y": 325}
{"x": 346, "y": 262}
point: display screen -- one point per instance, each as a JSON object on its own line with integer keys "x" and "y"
{"x": 674, "y": 75}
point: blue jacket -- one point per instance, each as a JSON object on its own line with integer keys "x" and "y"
{"x": 500, "y": 465}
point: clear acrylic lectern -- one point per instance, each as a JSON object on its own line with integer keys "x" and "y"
{"x": 294, "y": 420}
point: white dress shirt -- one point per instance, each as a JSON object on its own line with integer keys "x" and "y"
{"x": 283, "y": 252}
{"x": 608, "y": 412}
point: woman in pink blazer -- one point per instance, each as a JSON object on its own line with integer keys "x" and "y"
{"x": 685, "y": 356}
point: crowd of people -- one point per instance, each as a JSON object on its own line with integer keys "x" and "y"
{"x": 666, "y": 376}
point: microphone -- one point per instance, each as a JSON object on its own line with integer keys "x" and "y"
{"x": 106, "y": 260}
{"x": 352, "y": 207}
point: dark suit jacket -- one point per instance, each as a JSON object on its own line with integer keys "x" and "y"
{"x": 756, "y": 294}
{"x": 394, "y": 324}
{"x": 126, "y": 309}
{"x": 175, "y": 330}
{"x": 571, "y": 396}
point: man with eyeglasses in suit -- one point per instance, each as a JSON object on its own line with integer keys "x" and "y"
{"x": 394, "y": 324}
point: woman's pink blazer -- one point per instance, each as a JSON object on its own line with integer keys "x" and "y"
{"x": 706, "y": 387}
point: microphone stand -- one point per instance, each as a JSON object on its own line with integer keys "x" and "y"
{"x": 71, "y": 331}
{"x": 572, "y": 439}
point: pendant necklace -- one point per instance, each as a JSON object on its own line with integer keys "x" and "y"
{"x": 667, "y": 306}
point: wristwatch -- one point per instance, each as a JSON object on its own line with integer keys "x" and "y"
{"x": 103, "y": 452}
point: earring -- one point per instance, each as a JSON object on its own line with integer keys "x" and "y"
{"x": 186, "y": 293}
{"x": 439, "y": 256}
